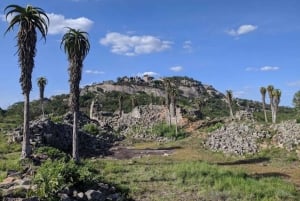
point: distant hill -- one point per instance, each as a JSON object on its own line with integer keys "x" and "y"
{"x": 196, "y": 99}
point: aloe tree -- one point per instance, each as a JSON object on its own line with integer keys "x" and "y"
{"x": 263, "y": 92}
{"x": 76, "y": 46}
{"x": 29, "y": 19}
{"x": 229, "y": 97}
{"x": 270, "y": 90}
{"x": 42, "y": 82}
{"x": 276, "y": 101}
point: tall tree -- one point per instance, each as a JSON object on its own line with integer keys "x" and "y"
{"x": 229, "y": 98}
{"x": 270, "y": 90}
{"x": 296, "y": 100}
{"x": 76, "y": 46}
{"x": 276, "y": 101}
{"x": 42, "y": 82}
{"x": 263, "y": 92}
{"x": 30, "y": 19}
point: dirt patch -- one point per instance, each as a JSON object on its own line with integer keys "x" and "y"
{"x": 128, "y": 153}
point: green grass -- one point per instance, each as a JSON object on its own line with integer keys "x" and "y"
{"x": 9, "y": 156}
{"x": 153, "y": 177}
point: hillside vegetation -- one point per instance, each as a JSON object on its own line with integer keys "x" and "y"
{"x": 175, "y": 164}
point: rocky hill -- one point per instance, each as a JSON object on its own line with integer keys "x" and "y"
{"x": 187, "y": 87}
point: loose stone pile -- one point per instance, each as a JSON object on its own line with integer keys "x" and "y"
{"x": 287, "y": 134}
{"x": 59, "y": 135}
{"x": 236, "y": 138}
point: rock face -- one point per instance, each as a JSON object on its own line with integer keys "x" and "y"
{"x": 187, "y": 87}
{"x": 287, "y": 135}
{"x": 236, "y": 138}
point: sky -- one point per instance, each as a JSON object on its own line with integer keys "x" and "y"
{"x": 237, "y": 45}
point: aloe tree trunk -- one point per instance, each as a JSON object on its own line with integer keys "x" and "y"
{"x": 75, "y": 136}
{"x": 25, "y": 144}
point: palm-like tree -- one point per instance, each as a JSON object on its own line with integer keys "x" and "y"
{"x": 263, "y": 92}
{"x": 229, "y": 97}
{"x": 76, "y": 46}
{"x": 276, "y": 100}
{"x": 29, "y": 19}
{"x": 270, "y": 90}
{"x": 42, "y": 82}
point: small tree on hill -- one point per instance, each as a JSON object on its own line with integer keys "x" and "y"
{"x": 263, "y": 92}
{"x": 229, "y": 98}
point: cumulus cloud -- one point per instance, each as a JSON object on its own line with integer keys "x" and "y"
{"x": 150, "y": 73}
{"x": 134, "y": 45}
{"x": 95, "y": 72}
{"x": 269, "y": 68}
{"x": 176, "y": 68}
{"x": 243, "y": 29}
{"x": 58, "y": 23}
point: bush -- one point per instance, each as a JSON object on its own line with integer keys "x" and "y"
{"x": 169, "y": 131}
{"x": 214, "y": 127}
{"x": 54, "y": 176}
{"x": 91, "y": 129}
{"x": 51, "y": 152}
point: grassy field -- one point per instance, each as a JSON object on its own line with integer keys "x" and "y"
{"x": 191, "y": 172}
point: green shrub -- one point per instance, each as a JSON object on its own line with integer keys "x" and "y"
{"x": 54, "y": 176}
{"x": 51, "y": 152}
{"x": 91, "y": 129}
{"x": 214, "y": 127}
{"x": 169, "y": 131}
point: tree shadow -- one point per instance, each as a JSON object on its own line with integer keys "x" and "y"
{"x": 246, "y": 161}
{"x": 270, "y": 174}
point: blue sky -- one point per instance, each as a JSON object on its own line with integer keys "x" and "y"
{"x": 231, "y": 44}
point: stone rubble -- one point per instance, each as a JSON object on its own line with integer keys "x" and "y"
{"x": 237, "y": 138}
{"x": 287, "y": 134}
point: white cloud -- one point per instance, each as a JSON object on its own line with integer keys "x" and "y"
{"x": 176, "y": 68}
{"x": 187, "y": 45}
{"x": 134, "y": 45}
{"x": 264, "y": 68}
{"x": 3, "y": 18}
{"x": 150, "y": 73}
{"x": 243, "y": 29}
{"x": 251, "y": 69}
{"x": 95, "y": 72}
{"x": 58, "y": 23}
{"x": 269, "y": 68}
{"x": 294, "y": 84}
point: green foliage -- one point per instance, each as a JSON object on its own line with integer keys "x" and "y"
{"x": 169, "y": 131}
{"x": 214, "y": 127}
{"x": 296, "y": 100}
{"x": 54, "y": 176}
{"x": 91, "y": 129}
{"x": 51, "y": 152}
